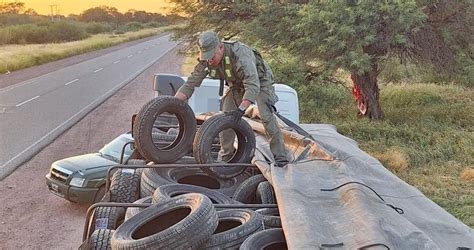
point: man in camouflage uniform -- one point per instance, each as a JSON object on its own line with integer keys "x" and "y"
{"x": 250, "y": 80}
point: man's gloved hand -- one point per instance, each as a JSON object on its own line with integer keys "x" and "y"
{"x": 236, "y": 114}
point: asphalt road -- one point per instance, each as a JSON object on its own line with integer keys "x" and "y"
{"x": 34, "y": 112}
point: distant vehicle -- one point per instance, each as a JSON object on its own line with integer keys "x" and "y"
{"x": 81, "y": 178}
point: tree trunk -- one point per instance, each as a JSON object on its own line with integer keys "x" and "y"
{"x": 366, "y": 92}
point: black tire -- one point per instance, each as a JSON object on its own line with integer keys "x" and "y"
{"x": 184, "y": 222}
{"x": 107, "y": 218}
{"x": 169, "y": 191}
{"x": 100, "y": 194}
{"x": 247, "y": 190}
{"x": 266, "y": 239}
{"x": 132, "y": 211}
{"x": 125, "y": 186}
{"x": 144, "y": 122}
{"x": 271, "y": 217}
{"x": 235, "y": 225}
{"x": 204, "y": 139}
{"x": 100, "y": 239}
{"x": 265, "y": 193}
{"x": 136, "y": 162}
{"x": 153, "y": 178}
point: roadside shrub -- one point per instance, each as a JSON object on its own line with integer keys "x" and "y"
{"x": 133, "y": 26}
{"x": 28, "y": 34}
{"x": 5, "y": 36}
{"x": 17, "y": 19}
{"x": 154, "y": 24}
{"x": 42, "y": 33}
{"x": 96, "y": 28}
{"x": 65, "y": 31}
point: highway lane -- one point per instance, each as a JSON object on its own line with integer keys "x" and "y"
{"x": 34, "y": 112}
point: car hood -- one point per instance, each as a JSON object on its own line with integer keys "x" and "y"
{"x": 84, "y": 162}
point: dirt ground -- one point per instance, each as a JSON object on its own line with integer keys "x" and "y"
{"x": 33, "y": 218}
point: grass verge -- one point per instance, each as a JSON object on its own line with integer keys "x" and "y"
{"x": 15, "y": 57}
{"x": 426, "y": 138}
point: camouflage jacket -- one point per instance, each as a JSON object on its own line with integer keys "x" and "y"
{"x": 240, "y": 67}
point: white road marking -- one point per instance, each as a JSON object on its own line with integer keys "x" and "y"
{"x": 129, "y": 56}
{"x": 75, "y": 80}
{"x": 15, "y": 86}
{"x": 70, "y": 118}
{"x": 29, "y": 100}
{"x": 116, "y": 61}
{"x": 97, "y": 70}
{"x": 2, "y": 110}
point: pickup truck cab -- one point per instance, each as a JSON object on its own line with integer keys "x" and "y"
{"x": 81, "y": 178}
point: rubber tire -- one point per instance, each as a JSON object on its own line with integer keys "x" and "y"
{"x": 247, "y": 190}
{"x": 132, "y": 211}
{"x": 265, "y": 193}
{"x": 204, "y": 139}
{"x": 136, "y": 162}
{"x": 190, "y": 232}
{"x": 271, "y": 217}
{"x": 100, "y": 239}
{"x": 143, "y": 126}
{"x": 265, "y": 239}
{"x": 100, "y": 194}
{"x": 251, "y": 222}
{"x": 125, "y": 186}
{"x": 112, "y": 216}
{"x": 152, "y": 178}
{"x": 168, "y": 191}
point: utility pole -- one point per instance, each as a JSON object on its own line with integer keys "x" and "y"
{"x": 53, "y": 6}
{"x": 57, "y": 13}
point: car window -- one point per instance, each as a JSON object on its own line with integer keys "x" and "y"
{"x": 114, "y": 148}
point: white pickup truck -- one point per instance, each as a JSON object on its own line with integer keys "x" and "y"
{"x": 206, "y": 97}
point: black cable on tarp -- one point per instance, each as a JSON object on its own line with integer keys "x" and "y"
{"x": 397, "y": 209}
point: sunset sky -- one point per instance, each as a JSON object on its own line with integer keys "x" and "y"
{"x": 66, "y": 7}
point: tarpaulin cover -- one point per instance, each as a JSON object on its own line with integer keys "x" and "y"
{"x": 353, "y": 202}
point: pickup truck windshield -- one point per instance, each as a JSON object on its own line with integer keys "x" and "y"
{"x": 114, "y": 149}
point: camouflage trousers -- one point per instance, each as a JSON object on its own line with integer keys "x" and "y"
{"x": 231, "y": 101}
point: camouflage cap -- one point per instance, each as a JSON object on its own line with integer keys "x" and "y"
{"x": 208, "y": 42}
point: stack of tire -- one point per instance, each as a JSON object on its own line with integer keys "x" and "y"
{"x": 181, "y": 212}
{"x": 189, "y": 221}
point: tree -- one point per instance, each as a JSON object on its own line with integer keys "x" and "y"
{"x": 11, "y": 8}
{"x": 100, "y": 14}
{"x": 327, "y": 35}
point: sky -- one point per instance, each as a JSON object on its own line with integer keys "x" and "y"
{"x": 66, "y": 7}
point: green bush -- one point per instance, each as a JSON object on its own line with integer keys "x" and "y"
{"x": 65, "y": 31}
{"x": 154, "y": 24}
{"x": 5, "y": 36}
{"x": 17, "y": 19}
{"x": 45, "y": 32}
{"x": 28, "y": 34}
{"x": 96, "y": 28}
